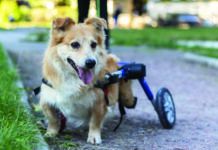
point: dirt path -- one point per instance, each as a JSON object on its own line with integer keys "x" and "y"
{"x": 193, "y": 86}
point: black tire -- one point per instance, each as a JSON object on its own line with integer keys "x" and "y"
{"x": 165, "y": 108}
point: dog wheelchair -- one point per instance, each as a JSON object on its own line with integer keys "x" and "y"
{"x": 163, "y": 102}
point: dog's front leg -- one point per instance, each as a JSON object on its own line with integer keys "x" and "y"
{"x": 97, "y": 117}
{"x": 53, "y": 121}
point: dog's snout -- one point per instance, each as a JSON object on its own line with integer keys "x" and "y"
{"x": 90, "y": 63}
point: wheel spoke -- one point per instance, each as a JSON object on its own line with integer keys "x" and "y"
{"x": 168, "y": 107}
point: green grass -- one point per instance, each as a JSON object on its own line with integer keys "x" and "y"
{"x": 154, "y": 37}
{"x": 167, "y": 38}
{"x": 162, "y": 36}
{"x": 2, "y": 29}
{"x": 17, "y": 128}
{"x": 41, "y": 36}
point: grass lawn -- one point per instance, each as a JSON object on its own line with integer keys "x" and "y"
{"x": 17, "y": 129}
{"x": 41, "y": 36}
{"x": 167, "y": 37}
{"x": 154, "y": 37}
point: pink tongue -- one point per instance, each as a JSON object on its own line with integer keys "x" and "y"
{"x": 85, "y": 75}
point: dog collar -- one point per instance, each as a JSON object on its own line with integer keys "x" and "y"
{"x": 38, "y": 89}
{"x": 45, "y": 81}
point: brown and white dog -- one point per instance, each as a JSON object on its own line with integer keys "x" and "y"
{"x": 73, "y": 62}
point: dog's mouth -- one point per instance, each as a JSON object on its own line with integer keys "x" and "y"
{"x": 86, "y": 75}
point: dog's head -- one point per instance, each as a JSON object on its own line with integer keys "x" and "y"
{"x": 81, "y": 46}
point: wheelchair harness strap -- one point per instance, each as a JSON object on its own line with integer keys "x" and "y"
{"x": 104, "y": 87}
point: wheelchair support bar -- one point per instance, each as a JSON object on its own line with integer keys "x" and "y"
{"x": 146, "y": 89}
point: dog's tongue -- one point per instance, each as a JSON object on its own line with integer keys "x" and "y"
{"x": 86, "y": 75}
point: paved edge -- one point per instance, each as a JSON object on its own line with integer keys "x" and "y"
{"x": 212, "y": 62}
{"x": 42, "y": 145}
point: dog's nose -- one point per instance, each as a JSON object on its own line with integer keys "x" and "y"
{"x": 90, "y": 63}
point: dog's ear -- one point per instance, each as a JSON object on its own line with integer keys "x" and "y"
{"x": 62, "y": 24}
{"x": 98, "y": 23}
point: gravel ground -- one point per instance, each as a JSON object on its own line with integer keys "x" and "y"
{"x": 194, "y": 88}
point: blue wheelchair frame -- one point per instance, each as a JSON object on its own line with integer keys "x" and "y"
{"x": 141, "y": 80}
{"x": 163, "y": 102}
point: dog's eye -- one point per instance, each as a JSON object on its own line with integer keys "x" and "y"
{"x": 75, "y": 45}
{"x": 93, "y": 44}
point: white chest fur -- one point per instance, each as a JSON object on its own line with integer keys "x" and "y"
{"x": 74, "y": 104}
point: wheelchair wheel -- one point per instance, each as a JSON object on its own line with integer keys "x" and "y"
{"x": 165, "y": 108}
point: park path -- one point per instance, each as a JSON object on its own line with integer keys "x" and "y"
{"x": 194, "y": 87}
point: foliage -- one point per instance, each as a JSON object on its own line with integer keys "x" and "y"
{"x": 16, "y": 127}
{"x": 40, "y": 12}
{"x": 10, "y": 9}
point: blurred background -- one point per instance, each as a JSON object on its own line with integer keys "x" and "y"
{"x": 188, "y": 25}
{"x": 129, "y": 13}
{"x": 172, "y": 37}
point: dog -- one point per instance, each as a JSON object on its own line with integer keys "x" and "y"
{"x": 73, "y": 63}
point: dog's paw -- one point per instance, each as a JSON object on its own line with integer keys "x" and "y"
{"x": 94, "y": 138}
{"x": 51, "y": 134}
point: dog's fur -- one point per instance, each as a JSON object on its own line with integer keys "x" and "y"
{"x": 81, "y": 103}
